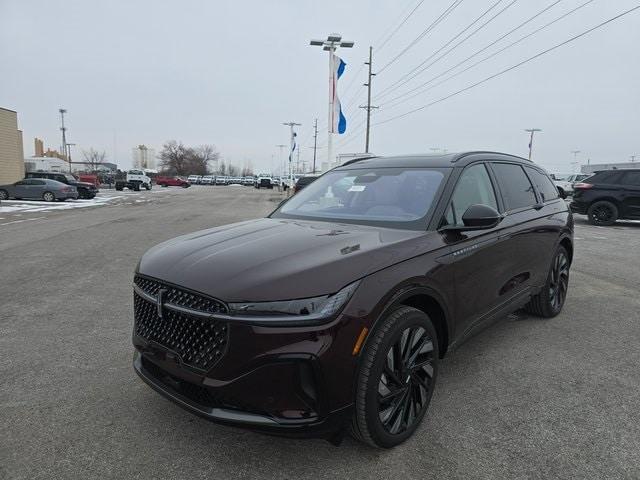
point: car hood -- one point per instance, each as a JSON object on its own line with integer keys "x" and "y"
{"x": 278, "y": 259}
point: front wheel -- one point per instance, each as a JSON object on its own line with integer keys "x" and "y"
{"x": 147, "y": 186}
{"x": 397, "y": 376}
{"x": 48, "y": 197}
{"x": 549, "y": 302}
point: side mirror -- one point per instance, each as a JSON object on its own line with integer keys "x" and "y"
{"x": 562, "y": 193}
{"x": 477, "y": 217}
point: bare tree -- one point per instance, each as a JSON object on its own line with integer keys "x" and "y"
{"x": 201, "y": 159}
{"x": 223, "y": 168}
{"x": 233, "y": 170}
{"x": 175, "y": 158}
{"x": 94, "y": 158}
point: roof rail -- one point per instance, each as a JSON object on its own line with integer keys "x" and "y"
{"x": 354, "y": 160}
{"x": 466, "y": 154}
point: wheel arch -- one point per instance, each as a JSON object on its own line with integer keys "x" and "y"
{"x": 568, "y": 245}
{"x": 615, "y": 201}
{"x": 428, "y": 301}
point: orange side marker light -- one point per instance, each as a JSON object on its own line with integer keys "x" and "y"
{"x": 360, "y": 341}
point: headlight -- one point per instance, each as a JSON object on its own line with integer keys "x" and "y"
{"x": 314, "y": 308}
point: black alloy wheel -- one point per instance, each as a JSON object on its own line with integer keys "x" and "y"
{"x": 559, "y": 280}
{"x": 396, "y": 379}
{"x": 549, "y": 302}
{"x": 603, "y": 213}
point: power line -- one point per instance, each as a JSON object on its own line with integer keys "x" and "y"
{"x": 420, "y": 90}
{"x": 434, "y": 24}
{"x": 418, "y": 70}
{"x": 513, "y": 67}
{"x": 381, "y": 46}
{"x": 529, "y": 20}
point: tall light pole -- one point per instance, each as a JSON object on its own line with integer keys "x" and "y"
{"x": 281, "y": 147}
{"x": 575, "y": 157}
{"x": 330, "y": 45}
{"x": 291, "y": 144}
{"x": 64, "y": 133}
{"x": 315, "y": 143}
{"x": 531, "y": 131}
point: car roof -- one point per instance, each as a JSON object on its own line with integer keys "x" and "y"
{"x": 459, "y": 159}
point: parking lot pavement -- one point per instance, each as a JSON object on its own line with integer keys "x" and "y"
{"x": 527, "y": 398}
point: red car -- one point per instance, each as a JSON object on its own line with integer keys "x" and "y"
{"x": 172, "y": 182}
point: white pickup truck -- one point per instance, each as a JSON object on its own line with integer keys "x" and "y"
{"x": 565, "y": 182}
{"x": 134, "y": 180}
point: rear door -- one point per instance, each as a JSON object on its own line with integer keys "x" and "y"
{"x": 528, "y": 245}
{"x": 631, "y": 196}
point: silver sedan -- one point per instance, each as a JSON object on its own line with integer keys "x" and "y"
{"x": 38, "y": 189}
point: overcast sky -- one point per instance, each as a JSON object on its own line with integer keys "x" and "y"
{"x": 230, "y": 72}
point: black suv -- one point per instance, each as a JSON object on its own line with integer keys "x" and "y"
{"x": 332, "y": 313}
{"x": 607, "y": 196}
{"x": 85, "y": 189}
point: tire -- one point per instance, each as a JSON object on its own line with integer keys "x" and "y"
{"x": 562, "y": 193}
{"x": 136, "y": 187}
{"x": 602, "y": 213}
{"x": 48, "y": 197}
{"x": 164, "y": 185}
{"x": 549, "y": 302}
{"x": 408, "y": 390}
{"x": 147, "y": 186}
{"x": 4, "y": 195}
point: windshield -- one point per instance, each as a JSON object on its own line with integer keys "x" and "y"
{"x": 389, "y": 197}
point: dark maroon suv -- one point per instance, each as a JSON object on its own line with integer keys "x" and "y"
{"x": 331, "y": 314}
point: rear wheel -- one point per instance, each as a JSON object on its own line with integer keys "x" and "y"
{"x": 147, "y": 186}
{"x": 396, "y": 378}
{"x": 603, "y": 213}
{"x": 48, "y": 197}
{"x": 549, "y": 302}
{"x": 4, "y": 195}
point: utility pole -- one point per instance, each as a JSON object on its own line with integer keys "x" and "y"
{"x": 69, "y": 145}
{"x": 298, "y": 162}
{"x": 64, "y": 134}
{"x": 633, "y": 158}
{"x": 531, "y": 131}
{"x": 281, "y": 147}
{"x": 315, "y": 143}
{"x": 575, "y": 158}
{"x": 330, "y": 45}
{"x": 369, "y": 107}
{"x": 292, "y": 144}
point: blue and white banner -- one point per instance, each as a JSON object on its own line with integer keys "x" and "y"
{"x": 293, "y": 145}
{"x": 338, "y": 122}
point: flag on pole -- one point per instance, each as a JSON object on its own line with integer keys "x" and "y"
{"x": 293, "y": 144}
{"x": 338, "y": 120}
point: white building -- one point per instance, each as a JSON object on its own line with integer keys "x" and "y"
{"x": 45, "y": 164}
{"x": 143, "y": 157}
{"x": 594, "y": 167}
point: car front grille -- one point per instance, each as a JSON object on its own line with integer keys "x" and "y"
{"x": 199, "y": 342}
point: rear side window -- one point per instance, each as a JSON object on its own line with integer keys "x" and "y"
{"x": 544, "y": 184}
{"x": 515, "y": 186}
{"x": 610, "y": 176}
{"x": 631, "y": 178}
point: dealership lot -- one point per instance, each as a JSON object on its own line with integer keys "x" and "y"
{"x": 525, "y": 399}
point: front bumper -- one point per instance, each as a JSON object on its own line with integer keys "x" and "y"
{"x": 290, "y": 381}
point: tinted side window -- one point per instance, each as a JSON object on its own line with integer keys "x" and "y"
{"x": 544, "y": 184}
{"x": 610, "y": 176}
{"x": 60, "y": 178}
{"x": 515, "y": 186}
{"x": 631, "y": 178}
{"x": 473, "y": 187}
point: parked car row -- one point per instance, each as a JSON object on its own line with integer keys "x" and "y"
{"x": 565, "y": 182}
{"x": 48, "y": 186}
